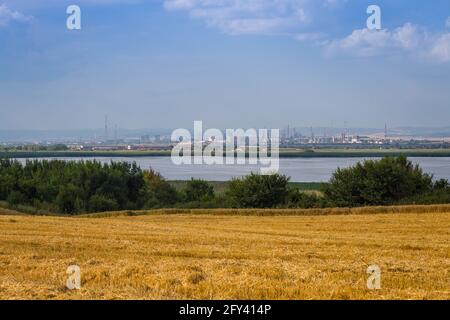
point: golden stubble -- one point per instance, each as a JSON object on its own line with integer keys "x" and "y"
{"x": 226, "y": 257}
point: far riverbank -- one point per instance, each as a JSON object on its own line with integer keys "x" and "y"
{"x": 284, "y": 153}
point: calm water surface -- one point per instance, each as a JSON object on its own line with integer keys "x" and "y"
{"x": 299, "y": 169}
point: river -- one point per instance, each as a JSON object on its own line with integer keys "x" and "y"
{"x": 299, "y": 169}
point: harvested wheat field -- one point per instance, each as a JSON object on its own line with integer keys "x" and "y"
{"x": 226, "y": 257}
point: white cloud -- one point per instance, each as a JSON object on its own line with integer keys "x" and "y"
{"x": 408, "y": 39}
{"x": 252, "y": 25}
{"x": 361, "y": 42}
{"x": 367, "y": 43}
{"x": 440, "y": 50}
{"x": 7, "y": 15}
{"x": 246, "y": 16}
{"x": 408, "y": 36}
{"x": 291, "y": 17}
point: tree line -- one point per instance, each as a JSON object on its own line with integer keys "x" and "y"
{"x": 90, "y": 186}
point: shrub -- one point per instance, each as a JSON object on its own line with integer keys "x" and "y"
{"x": 380, "y": 182}
{"x": 100, "y": 203}
{"x": 198, "y": 190}
{"x": 299, "y": 199}
{"x": 436, "y": 196}
{"x": 16, "y": 197}
{"x": 258, "y": 191}
{"x": 67, "y": 187}
{"x": 441, "y": 184}
{"x": 68, "y": 200}
{"x": 159, "y": 192}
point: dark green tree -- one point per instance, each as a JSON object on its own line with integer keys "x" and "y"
{"x": 441, "y": 184}
{"x": 258, "y": 191}
{"x": 377, "y": 182}
{"x": 68, "y": 199}
{"x": 101, "y": 203}
{"x": 69, "y": 186}
{"x": 300, "y": 199}
{"x": 159, "y": 192}
{"x": 198, "y": 190}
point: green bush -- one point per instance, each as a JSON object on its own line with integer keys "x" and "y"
{"x": 441, "y": 184}
{"x": 436, "y": 196}
{"x": 258, "y": 191}
{"x": 16, "y": 197}
{"x": 67, "y": 186}
{"x": 299, "y": 199}
{"x": 198, "y": 190}
{"x": 377, "y": 182}
{"x": 159, "y": 192}
{"x": 100, "y": 203}
{"x": 68, "y": 199}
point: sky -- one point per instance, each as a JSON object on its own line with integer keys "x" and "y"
{"x": 229, "y": 63}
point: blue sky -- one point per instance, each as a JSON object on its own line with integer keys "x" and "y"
{"x": 230, "y": 63}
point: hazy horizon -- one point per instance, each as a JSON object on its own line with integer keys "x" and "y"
{"x": 74, "y": 134}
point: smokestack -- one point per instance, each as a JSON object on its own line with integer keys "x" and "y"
{"x": 106, "y": 128}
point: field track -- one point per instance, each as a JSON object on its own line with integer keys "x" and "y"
{"x": 200, "y": 256}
